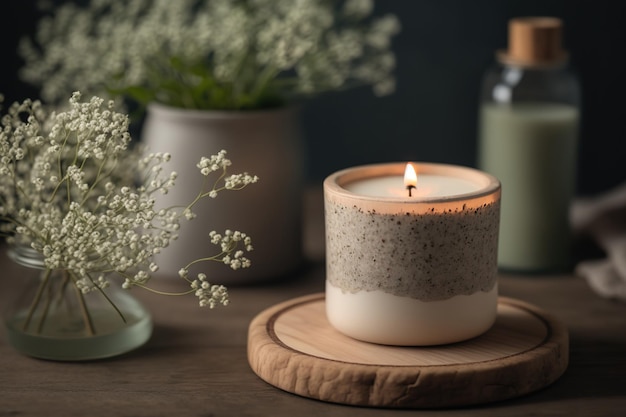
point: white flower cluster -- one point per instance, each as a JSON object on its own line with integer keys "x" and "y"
{"x": 209, "y": 295}
{"x": 211, "y": 53}
{"x": 230, "y": 254}
{"x": 214, "y": 163}
{"x": 73, "y": 189}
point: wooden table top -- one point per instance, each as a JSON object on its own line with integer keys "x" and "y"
{"x": 195, "y": 364}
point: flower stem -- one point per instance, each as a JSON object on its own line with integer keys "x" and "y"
{"x": 85, "y": 312}
{"x": 46, "y": 308}
{"x": 261, "y": 84}
{"x": 42, "y": 286}
{"x": 110, "y": 302}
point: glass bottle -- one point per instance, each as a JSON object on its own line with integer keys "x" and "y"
{"x": 528, "y": 139}
{"x": 52, "y": 319}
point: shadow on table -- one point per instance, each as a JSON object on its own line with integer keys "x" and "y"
{"x": 597, "y": 369}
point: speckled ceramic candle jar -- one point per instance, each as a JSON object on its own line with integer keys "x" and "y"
{"x": 411, "y": 271}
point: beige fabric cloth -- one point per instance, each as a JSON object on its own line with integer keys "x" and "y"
{"x": 603, "y": 219}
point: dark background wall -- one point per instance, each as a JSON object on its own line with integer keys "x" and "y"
{"x": 442, "y": 52}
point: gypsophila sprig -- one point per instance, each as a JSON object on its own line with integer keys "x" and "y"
{"x": 211, "y": 54}
{"x": 74, "y": 190}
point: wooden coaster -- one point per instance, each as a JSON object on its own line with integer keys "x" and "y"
{"x": 293, "y": 347}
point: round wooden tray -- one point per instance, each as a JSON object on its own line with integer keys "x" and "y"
{"x": 293, "y": 347}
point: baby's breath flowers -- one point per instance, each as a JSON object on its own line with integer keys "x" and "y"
{"x": 73, "y": 189}
{"x": 211, "y": 54}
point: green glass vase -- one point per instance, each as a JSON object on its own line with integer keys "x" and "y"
{"x": 53, "y": 319}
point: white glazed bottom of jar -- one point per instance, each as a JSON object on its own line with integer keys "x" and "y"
{"x": 378, "y": 317}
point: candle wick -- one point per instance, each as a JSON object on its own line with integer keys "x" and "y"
{"x": 410, "y": 187}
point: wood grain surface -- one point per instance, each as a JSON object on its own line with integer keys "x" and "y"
{"x": 196, "y": 363}
{"x": 293, "y": 347}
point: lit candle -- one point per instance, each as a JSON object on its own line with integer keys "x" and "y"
{"x": 411, "y": 259}
{"x": 410, "y": 178}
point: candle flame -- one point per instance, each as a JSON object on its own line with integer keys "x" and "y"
{"x": 410, "y": 177}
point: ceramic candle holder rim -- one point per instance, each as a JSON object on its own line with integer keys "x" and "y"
{"x": 164, "y": 110}
{"x": 335, "y": 182}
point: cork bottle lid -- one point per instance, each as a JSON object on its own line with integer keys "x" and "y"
{"x": 534, "y": 41}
